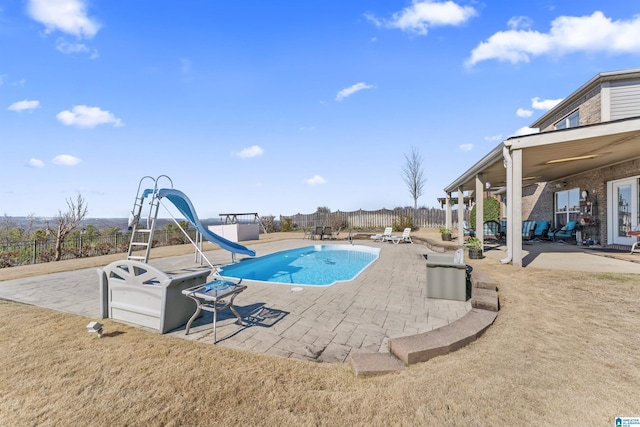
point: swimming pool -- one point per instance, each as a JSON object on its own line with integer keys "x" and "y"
{"x": 318, "y": 265}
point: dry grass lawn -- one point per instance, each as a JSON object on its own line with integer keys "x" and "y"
{"x": 563, "y": 351}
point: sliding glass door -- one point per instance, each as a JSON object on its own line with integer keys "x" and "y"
{"x": 623, "y": 210}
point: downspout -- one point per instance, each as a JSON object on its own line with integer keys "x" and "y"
{"x": 509, "y": 165}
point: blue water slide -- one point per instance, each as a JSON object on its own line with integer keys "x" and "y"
{"x": 183, "y": 204}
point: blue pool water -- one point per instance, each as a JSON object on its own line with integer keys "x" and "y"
{"x": 318, "y": 265}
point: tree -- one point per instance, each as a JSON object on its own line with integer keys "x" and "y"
{"x": 68, "y": 221}
{"x": 413, "y": 175}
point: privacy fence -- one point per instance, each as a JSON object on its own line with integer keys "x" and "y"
{"x": 422, "y": 218}
{"x": 39, "y": 251}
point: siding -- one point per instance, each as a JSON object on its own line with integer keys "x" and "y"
{"x": 625, "y": 99}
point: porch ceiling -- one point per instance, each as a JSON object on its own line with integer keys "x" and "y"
{"x": 608, "y": 143}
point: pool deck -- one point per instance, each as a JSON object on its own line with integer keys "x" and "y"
{"x": 323, "y": 324}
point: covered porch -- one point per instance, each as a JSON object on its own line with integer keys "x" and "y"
{"x": 551, "y": 157}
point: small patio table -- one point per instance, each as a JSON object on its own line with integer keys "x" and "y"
{"x": 212, "y": 297}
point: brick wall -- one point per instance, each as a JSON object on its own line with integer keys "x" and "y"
{"x": 589, "y": 106}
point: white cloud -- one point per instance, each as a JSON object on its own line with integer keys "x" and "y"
{"x": 493, "y": 138}
{"x": 568, "y": 34}
{"x": 68, "y": 16}
{"x": 422, "y": 15}
{"x": 253, "y": 151}
{"x": 65, "y": 160}
{"x": 519, "y": 22}
{"x": 523, "y": 113}
{"x": 466, "y": 147}
{"x": 24, "y": 105}
{"x": 526, "y": 130}
{"x": 316, "y": 180}
{"x": 544, "y": 104}
{"x": 36, "y": 163}
{"x": 344, "y": 93}
{"x": 87, "y": 117}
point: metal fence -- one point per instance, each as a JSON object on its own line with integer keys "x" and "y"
{"x": 39, "y": 251}
{"x": 422, "y": 218}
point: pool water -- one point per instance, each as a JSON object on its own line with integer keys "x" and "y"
{"x": 318, "y": 265}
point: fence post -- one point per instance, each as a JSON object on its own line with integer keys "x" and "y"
{"x": 35, "y": 249}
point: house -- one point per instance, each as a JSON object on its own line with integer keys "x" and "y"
{"x": 583, "y": 165}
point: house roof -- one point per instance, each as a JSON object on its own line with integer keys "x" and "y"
{"x": 590, "y": 147}
{"x": 630, "y": 74}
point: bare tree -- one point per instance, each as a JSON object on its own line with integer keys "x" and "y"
{"x": 68, "y": 221}
{"x": 413, "y": 175}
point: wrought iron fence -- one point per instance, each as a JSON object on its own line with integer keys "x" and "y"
{"x": 39, "y": 251}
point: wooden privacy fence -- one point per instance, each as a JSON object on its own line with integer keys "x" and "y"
{"x": 422, "y": 218}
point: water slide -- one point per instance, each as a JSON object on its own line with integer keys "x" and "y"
{"x": 183, "y": 204}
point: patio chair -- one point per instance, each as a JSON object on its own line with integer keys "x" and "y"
{"x": 567, "y": 231}
{"x": 541, "y": 231}
{"x": 317, "y": 232}
{"x": 468, "y": 231}
{"x": 326, "y": 233}
{"x": 405, "y": 238}
{"x": 528, "y": 228}
{"x": 380, "y": 237}
{"x": 491, "y": 230}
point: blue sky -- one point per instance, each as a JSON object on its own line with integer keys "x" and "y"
{"x": 279, "y": 107}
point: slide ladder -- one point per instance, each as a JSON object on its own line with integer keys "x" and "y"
{"x": 143, "y": 228}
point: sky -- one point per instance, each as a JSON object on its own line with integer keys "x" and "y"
{"x": 280, "y": 107}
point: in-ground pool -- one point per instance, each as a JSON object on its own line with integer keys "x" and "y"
{"x": 318, "y": 265}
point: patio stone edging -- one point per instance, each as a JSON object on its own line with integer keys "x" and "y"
{"x": 404, "y": 351}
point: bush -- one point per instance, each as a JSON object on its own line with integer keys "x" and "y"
{"x": 401, "y": 222}
{"x": 286, "y": 224}
{"x": 491, "y": 211}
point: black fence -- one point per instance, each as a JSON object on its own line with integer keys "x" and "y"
{"x": 80, "y": 246}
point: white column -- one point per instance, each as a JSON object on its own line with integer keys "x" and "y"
{"x": 515, "y": 229}
{"x": 480, "y": 208}
{"x": 460, "y": 216}
{"x": 447, "y": 221}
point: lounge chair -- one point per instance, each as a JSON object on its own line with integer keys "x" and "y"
{"x": 405, "y": 238}
{"x": 381, "y": 237}
{"x": 567, "y": 231}
{"x": 541, "y": 231}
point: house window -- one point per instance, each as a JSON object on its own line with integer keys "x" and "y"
{"x": 571, "y": 121}
{"x": 567, "y": 206}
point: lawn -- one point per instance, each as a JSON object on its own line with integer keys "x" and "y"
{"x": 563, "y": 351}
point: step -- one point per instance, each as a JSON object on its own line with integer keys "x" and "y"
{"x": 485, "y": 299}
{"x": 370, "y": 364}
{"x": 444, "y": 340}
{"x": 136, "y": 257}
{"x": 139, "y": 243}
{"x": 479, "y": 279}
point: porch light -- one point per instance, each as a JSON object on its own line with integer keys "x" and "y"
{"x": 571, "y": 159}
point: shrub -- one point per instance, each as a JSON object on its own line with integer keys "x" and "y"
{"x": 286, "y": 224}
{"x": 401, "y": 222}
{"x": 491, "y": 211}
{"x": 444, "y": 230}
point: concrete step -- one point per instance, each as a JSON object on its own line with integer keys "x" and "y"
{"x": 485, "y": 299}
{"x": 422, "y": 347}
{"x": 481, "y": 280}
{"x": 370, "y": 364}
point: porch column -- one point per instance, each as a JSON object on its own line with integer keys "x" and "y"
{"x": 460, "y": 216}
{"x": 447, "y": 220}
{"x": 480, "y": 208}
{"x": 515, "y": 228}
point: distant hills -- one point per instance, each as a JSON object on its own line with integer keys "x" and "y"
{"x": 40, "y": 223}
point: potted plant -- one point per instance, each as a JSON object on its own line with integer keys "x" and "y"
{"x": 475, "y": 248}
{"x": 445, "y": 233}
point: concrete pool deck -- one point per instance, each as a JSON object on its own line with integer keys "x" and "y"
{"x": 323, "y": 324}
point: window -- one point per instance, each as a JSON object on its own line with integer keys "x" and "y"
{"x": 571, "y": 121}
{"x": 567, "y": 206}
